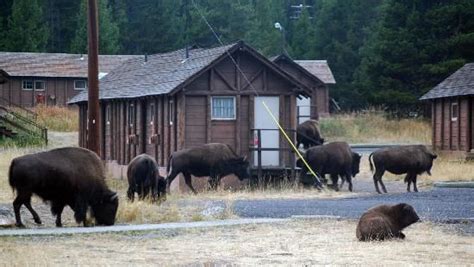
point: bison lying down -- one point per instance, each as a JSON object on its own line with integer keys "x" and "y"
{"x": 412, "y": 160}
{"x": 308, "y": 134}
{"x": 384, "y": 222}
{"x": 143, "y": 177}
{"x": 336, "y": 159}
{"x": 215, "y": 160}
{"x": 66, "y": 176}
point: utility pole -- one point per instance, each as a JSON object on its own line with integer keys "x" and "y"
{"x": 93, "y": 137}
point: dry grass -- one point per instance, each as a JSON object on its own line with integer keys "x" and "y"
{"x": 59, "y": 119}
{"x": 374, "y": 127}
{"x": 311, "y": 242}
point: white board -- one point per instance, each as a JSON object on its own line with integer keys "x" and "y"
{"x": 270, "y": 139}
{"x": 304, "y": 109}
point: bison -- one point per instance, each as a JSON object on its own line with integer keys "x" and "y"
{"x": 385, "y": 222}
{"x": 214, "y": 160}
{"x": 143, "y": 177}
{"x": 308, "y": 134}
{"x": 336, "y": 159}
{"x": 412, "y": 160}
{"x": 65, "y": 176}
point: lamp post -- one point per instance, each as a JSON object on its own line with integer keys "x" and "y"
{"x": 282, "y": 30}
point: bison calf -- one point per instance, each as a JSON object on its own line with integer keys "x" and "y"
{"x": 385, "y": 222}
{"x": 66, "y": 176}
{"x": 412, "y": 160}
{"x": 143, "y": 177}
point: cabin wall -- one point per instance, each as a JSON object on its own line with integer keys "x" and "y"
{"x": 449, "y": 133}
{"x": 57, "y": 92}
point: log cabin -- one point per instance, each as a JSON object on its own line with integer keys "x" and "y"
{"x": 48, "y": 78}
{"x": 176, "y": 100}
{"x": 315, "y": 75}
{"x": 452, "y": 113}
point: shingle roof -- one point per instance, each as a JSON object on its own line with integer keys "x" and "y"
{"x": 318, "y": 68}
{"x": 161, "y": 74}
{"x": 56, "y": 64}
{"x": 458, "y": 84}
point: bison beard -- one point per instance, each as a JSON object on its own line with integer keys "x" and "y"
{"x": 66, "y": 176}
{"x": 385, "y": 222}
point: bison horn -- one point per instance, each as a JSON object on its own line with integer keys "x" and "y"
{"x": 244, "y": 158}
{"x": 114, "y": 197}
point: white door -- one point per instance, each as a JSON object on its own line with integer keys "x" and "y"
{"x": 304, "y": 109}
{"x": 269, "y": 139}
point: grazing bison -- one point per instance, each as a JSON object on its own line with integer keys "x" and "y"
{"x": 214, "y": 160}
{"x": 412, "y": 160}
{"x": 143, "y": 177}
{"x": 335, "y": 159}
{"x": 66, "y": 176}
{"x": 308, "y": 134}
{"x": 385, "y": 222}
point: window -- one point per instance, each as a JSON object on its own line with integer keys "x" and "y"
{"x": 454, "y": 111}
{"x": 223, "y": 108}
{"x": 171, "y": 112}
{"x": 80, "y": 84}
{"x": 152, "y": 113}
{"x": 27, "y": 85}
{"x": 40, "y": 85}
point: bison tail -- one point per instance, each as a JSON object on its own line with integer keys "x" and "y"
{"x": 370, "y": 162}
{"x": 10, "y": 176}
{"x": 168, "y": 168}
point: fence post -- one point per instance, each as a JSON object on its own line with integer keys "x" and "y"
{"x": 259, "y": 154}
{"x": 45, "y": 135}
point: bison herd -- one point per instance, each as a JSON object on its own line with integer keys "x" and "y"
{"x": 76, "y": 177}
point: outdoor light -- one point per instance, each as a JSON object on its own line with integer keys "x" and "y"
{"x": 278, "y": 26}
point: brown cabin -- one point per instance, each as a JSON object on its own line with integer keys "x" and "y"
{"x": 452, "y": 112}
{"x": 167, "y": 102}
{"x": 48, "y": 78}
{"x": 316, "y": 76}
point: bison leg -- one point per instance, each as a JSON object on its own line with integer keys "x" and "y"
{"x": 170, "y": 179}
{"x": 349, "y": 181}
{"x": 131, "y": 193}
{"x": 188, "y": 181}
{"x": 378, "y": 179}
{"x": 334, "y": 178}
{"x": 26, "y": 200}
{"x": 408, "y": 181}
{"x": 80, "y": 210}
{"x": 415, "y": 188}
{"x": 57, "y": 209}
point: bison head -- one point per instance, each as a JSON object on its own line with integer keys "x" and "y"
{"x": 105, "y": 210}
{"x": 241, "y": 167}
{"x": 407, "y": 215}
{"x": 355, "y": 163}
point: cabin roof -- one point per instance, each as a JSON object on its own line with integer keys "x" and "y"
{"x": 56, "y": 65}
{"x": 166, "y": 73}
{"x": 460, "y": 83}
{"x": 306, "y": 69}
{"x": 318, "y": 68}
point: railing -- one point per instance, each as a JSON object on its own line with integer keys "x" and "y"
{"x": 256, "y": 149}
{"x": 23, "y": 124}
{"x": 21, "y": 110}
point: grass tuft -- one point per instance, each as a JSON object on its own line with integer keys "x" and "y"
{"x": 60, "y": 119}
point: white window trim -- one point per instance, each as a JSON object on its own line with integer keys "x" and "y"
{"x": 44, "y": 83}
{"x": 23, "y": 84}
{"x": 80, "y": 89}
{"x": 224, "y": 119}
{"x": 171, "y": 111}
{"x": 452, "y": 113}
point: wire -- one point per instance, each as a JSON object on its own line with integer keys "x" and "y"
{"x": 256, "y": 93}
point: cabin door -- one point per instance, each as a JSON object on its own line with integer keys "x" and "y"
{"x": 304, "y": 109}
{"x": 270, "y": 136}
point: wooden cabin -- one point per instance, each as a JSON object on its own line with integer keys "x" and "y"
{"x": 452, "y": 112}
{"x": 316, "y": 76}
{"x": 48, "y": 78}
{"x": 167, "y": 102}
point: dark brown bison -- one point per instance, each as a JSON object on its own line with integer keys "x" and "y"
{"x": 335, "y": 159}
{"x": 143, "y": 177}
{"x": 214, "y": 160}
{"x": 412, "y": 160}
{"x": 308, "y": 134}
{"x": 66, "y": 176}
{"x": 385, "y": 222}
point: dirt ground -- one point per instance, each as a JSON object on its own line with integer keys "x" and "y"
{"x": 300, "y": 242}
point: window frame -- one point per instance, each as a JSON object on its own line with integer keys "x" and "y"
{"x": 152, "y": 113}
{"x": 234, "y": 104}
{"x": 79, "y": 88}
{"x": 41, "y": 81}
{"x": 131, "y": 115}
{"x": 454, "y": 107}
{"x": 171, "y": 111}
{"x": 27, "y": 80}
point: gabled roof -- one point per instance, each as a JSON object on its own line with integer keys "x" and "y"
{"x": 318, "y": 68}
{"x": 3, "y": 76}
{"x": 460, "y": 83}
{"x": 167, "y": 73}
{"x": 56, "y": 64}
{"x": 293, "y": 63}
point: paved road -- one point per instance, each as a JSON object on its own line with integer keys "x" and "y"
{"x": 438, "y": 205}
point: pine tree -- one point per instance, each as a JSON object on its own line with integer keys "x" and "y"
{"x": 303, "y": 37}
{"x": 108, "y": 30}
{"x": 27, "y": 30}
